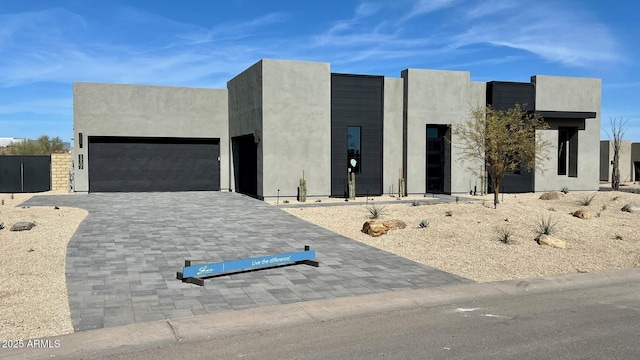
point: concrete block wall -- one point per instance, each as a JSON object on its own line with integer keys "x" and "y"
{"x": 60, "y": 166}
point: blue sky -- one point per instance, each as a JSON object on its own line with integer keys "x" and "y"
{"x": 47, "y": 45}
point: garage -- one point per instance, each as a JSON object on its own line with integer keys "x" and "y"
{"x": 139, "y": 164}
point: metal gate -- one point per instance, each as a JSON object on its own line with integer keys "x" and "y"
{"x": 20, "y": 174}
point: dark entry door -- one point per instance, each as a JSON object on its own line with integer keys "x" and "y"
{"x": 637, "y": 170}
{"x": 436, "y": 135}
{"x": 130, "y": 164}
{"x": 245, "y": 164}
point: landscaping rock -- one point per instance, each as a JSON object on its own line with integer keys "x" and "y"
{"x": 374, "y": 228}
{"x": 395, "y": 224}
{"x": 582, "y": 214}
{"x": 1, "y": 225}
{"x": 548, "y": 240}
{"x": 631, "y": 208}
{"x": 552, "y": 195}
{"x": 22, "y": 226}
{"x": 378, "y": 227}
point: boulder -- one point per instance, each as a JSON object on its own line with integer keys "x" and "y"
{"x": 374, "y": 228}
{"x": 548, "y": 240}
{"x": 552, "y": 195}
{"x": 582, "y": 214}
{"x": 395, "y": 224}
{"x": 631, "y": 208}
{"x": 22, "y": 225}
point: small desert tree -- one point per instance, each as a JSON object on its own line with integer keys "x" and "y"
{"x": 504, "y": 140}
{"x": 618, "y": 129}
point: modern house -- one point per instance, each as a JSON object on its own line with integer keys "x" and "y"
{"x": 628, "y": 163}
{"x": 279, "y": 118}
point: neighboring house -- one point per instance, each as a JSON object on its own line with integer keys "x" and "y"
{"x": 4, "y": 141}
{"x": 628, "y": 163}
{"x": 279, "y": 118}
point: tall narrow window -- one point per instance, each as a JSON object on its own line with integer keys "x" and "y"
{"x": 562, "y": 151}
{"x": 568, "y": 151}
{"x": 353, "y": 148}
{"x": 572, "y": 137}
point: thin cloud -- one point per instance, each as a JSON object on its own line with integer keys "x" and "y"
{"x": 423, "y": 7}
{"x": 547, "y": 30}
{"x": 59, "y": 55}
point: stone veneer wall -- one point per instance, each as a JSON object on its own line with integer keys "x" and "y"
{"x": 60, "y": 166}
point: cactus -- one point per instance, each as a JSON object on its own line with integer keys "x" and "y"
{"x": 352, "y": 185}
{"x": 303, "y": 189}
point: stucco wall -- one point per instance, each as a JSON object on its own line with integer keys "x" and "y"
{"x": 557, "y": 93}
{"x": 296, "y": 128}
{"x": 148, "y": 111}
{"x": 392, "y": 133}
{"x": 625, "y": 162}
{"x": 245, "y": 112}
{"x": 442, "y": 98}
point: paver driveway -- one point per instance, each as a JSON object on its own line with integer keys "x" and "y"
{"x": 122, "y": 260}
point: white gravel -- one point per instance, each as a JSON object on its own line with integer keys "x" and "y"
{"x": 33, "y": 290}
{"x": 467, "y": 244}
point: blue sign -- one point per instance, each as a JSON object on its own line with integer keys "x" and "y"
{"x": 204, "y": 270}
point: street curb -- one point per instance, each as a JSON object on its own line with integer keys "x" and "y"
{"x": 155, "y": 334}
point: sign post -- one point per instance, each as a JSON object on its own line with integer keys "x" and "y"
{"x": 196, "y": 274}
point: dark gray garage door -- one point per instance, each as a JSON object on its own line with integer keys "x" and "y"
{"x": 153, "y": 164}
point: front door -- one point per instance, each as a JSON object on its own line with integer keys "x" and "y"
{"x": 435, "y": 158}
{"x": 637, "y": 170}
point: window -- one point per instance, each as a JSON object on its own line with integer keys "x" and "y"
{"x": 353, "y": 148}
{"x": 568, "y": 151}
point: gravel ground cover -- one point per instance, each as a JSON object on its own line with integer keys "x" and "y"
{"x": 467, "y": 244}
{"x": 33, "y": 291}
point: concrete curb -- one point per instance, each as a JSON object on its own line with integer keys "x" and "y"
{"x": 140, "y": 336}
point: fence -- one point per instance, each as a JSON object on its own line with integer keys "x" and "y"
{"x": 25, "y": 173}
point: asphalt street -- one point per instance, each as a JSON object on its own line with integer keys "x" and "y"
{"x": 601, "y": 322}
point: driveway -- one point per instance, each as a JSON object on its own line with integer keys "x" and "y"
{"x": 122, "y": 261}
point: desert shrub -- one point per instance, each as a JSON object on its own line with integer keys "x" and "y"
{"x": 423, "y": 224}
{"x": 285, "y": 201}
{"x": 565, "y": 190}
{"x": 586, "y": 201}
{"x": 448, "y": 213}
{"x": 546, "y": 227}
{"x": 505, "y": 235}
{"x": 615, "y": 198}
{"x": 415, "y": 203}
{"x": 375, "y": 211}
{"x": 552, "y": 209}
{"x": 618, "y": 237}
{"x": 604, "y": 207}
